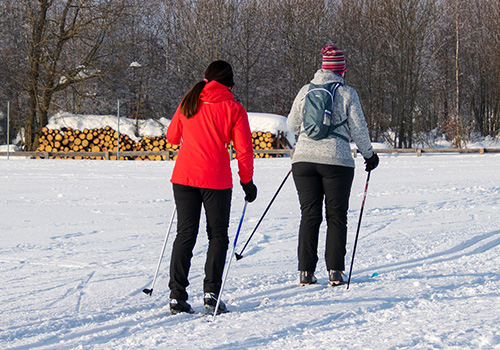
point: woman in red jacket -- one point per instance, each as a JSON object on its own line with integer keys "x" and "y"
{"x": 205, "y": 123}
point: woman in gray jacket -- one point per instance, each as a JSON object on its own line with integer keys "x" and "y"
{"x": 324, "y": 169}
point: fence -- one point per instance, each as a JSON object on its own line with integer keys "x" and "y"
{"x": 419, "y": 151}
{"x": 167, "y": 155}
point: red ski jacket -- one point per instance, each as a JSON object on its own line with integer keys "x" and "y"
{"x": 203, "y": 160}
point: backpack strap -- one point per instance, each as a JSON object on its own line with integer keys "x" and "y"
{"x": 331, "y": 93}
{"x": 336, "y": 126}
{"x": 333, "y": 127}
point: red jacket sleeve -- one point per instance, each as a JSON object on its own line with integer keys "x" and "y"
{"x": 174, "y": 131}
{"x": 242, "y": 140}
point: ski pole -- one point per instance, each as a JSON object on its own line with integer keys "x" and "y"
{"x": 357, "y": 231}
{"x": 229, "y": 262}
{"x": 239, "y": 256}
{"x": 150, "y": 291}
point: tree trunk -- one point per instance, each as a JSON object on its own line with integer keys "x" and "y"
{"x": 35, "y": 55}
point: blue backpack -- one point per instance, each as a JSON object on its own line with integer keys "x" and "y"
{"x": 318, "y": 112}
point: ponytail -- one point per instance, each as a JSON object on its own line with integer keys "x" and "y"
{"x": 191, "y": 101}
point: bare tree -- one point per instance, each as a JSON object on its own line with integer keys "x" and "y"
{"x": 12, "y": 63}
{"x": 67, "y": 29}
{"x": 407, "y": 23}
{"x": 196, "y": 31}
{"x": 359, "y": 30}
{"x": 250, "y": 41}
{"x": 480, "y": 59}
{"x": 300, "y": 33}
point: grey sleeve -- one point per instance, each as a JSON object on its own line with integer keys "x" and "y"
{"x": 294, "y": 120}
{"x": 357, "y": 125}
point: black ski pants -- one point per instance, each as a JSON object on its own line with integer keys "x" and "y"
{"x": 315, "y": 183}
{"x": 217, "y": 204}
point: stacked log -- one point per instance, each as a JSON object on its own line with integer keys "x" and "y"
{"x": 106, "y": 140}
{"x": 263, "y": 141}
{"x": 155, "y": 144}
{"x": 267, "y": 141}
{"x": 87, "y": 140}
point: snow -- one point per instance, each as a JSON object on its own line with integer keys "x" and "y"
{"x": 10, "y": 148}
{"x": 267, "y": 122}
{"x": 81, "y": 239}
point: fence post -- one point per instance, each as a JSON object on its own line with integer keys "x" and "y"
{"x": 118, "y": 131}
{"x": 8, "y": 129}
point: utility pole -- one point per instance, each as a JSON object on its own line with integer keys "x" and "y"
{"x": 458, "y": 140}
{"x": 8, "y": 129}
{"x": 136, "y": 66}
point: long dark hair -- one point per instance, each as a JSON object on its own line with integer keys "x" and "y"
{"x": 220, "y": 71}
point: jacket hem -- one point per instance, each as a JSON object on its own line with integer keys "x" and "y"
{"x": 328, "y": 161}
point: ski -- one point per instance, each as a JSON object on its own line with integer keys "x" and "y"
{"x": 205, "y": 312}
{"x": 336, "y": 283}
{"x": 320, "y": 284}
{"x": 209, "y": 312}
{"x": 198, "y": 314}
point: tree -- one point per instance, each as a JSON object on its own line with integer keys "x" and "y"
{"x": 359, "y": 30}
{"x": 64, "y": 44}
{"x": 407, "y": 24}
{"x": 401, "y": 58}
{"x": 481, "y": 62}
{"x": 12, "y": 62}
{"x": 250, "y": 41}
{"x": 299, "y": 34}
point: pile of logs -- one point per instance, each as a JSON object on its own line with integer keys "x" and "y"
{"x": 155, "y": 144}
{"x": 106, "y": 139}
{"x": 267, "y": 141}
{"x": 73, "y": 140}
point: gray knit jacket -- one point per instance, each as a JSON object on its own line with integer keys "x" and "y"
{"x": 332, "y": 150}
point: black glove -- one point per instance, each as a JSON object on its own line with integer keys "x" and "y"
{"x": 250, "y": 191}
{"x": 371, "y": 163}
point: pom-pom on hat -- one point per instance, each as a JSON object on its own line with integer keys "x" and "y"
{"x": 333, "y": 59}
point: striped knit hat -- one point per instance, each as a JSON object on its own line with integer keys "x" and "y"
{"x": 333, "y": 59}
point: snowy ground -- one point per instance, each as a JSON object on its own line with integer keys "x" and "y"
{"x": 81, "y": 239}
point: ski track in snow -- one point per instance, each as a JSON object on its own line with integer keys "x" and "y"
{"x": 81, "y": 239}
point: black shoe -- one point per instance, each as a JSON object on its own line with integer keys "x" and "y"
{"x": 177, "y": 306}
{"x": 307, "y": 278}
{"x": 210, "y": 301}
{"x": 336, "y": 277}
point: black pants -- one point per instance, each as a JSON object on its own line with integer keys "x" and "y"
{"x": 217, "y": 204}
{"x": 315, "y": 183}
